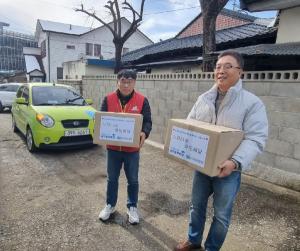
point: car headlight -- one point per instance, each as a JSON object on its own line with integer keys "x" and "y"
{"x": 45, "y": 120}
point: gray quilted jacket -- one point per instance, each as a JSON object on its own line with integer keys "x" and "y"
{"x": 241, "y": 110}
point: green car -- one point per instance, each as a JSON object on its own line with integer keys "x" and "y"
{"x": 52, "y": 116}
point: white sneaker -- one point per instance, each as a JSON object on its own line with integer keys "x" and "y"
{"x": 133, "y": 216}
{"x": 106, "y": 212}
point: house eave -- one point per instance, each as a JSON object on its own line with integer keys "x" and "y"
{"x": 193, "y": 60}
{"x": 268, "y": 5}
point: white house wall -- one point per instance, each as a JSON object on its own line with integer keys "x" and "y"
{"x": 42, "y": 37}
{"x": 289, "y": 26}
{"x": 104, "y": 37}
{"x": 93, "y": 70}
{"x": 137, "y": 40}
{"x": 79, "y": 68}
{"x": 74, "y": 70}
{"x": 59, "y": 52}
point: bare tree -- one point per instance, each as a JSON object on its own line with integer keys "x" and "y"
{"x": 116, "y": 28}
{"x": 210, "y": 10}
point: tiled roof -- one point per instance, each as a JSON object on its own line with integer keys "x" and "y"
{"x": 222, "y": 36}
{"x": 238, "y": 14}
{"x": 285, "y": 49}
{"x": 225, "y": 12}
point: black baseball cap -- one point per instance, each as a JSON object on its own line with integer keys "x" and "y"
{"x": 127, "y": 73}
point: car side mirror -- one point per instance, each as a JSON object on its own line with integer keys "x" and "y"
{"x": 21, "y": 101}
{"x": 89, "y": 101}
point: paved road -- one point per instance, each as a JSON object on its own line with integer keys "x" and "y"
{"x": 51, "y": 200}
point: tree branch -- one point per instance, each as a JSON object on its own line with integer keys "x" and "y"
{"x": 119, "y": 19}
{"x": 116, "y": 28}
{"x": 135, "y": 23}
{"x": 94, "y": 16}
{"x": 112, "y": 11}
{"x": 129, "y": 7}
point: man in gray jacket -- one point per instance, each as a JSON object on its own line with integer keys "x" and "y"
{"x": 226, "y": 104}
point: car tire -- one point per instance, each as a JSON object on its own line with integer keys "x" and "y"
{"x": 13, "y": 123}
{"x": 1, "y": 107}
{"x": 30, "y": 141}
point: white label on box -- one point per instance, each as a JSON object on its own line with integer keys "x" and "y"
{"x": 188, "y": 145}
{"x": 117, "y": 129}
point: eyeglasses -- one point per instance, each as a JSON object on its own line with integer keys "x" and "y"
{"x": 226, "y": 67}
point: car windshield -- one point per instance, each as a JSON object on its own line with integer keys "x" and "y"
{"x": 56, "y": 95}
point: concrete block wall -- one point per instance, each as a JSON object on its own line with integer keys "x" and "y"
{"x": 173, "y": 95}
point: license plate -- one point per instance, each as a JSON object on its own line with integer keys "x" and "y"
{"x": 77, "y": 132}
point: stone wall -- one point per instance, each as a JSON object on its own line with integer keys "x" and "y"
{"x": 173, "y": 95}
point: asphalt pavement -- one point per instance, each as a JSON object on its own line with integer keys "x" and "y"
{"x": 51, "y": 200}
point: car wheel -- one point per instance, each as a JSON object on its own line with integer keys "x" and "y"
{"x": 13, "y": 123}
{"x": 30, "y": 141}
{"x": 1, "y": 107}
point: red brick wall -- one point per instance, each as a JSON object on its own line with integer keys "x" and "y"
{"x": 222, "y": 22}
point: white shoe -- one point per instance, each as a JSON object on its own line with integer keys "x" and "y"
{"x": 106, "y": 212}
{"x": 133, "y": 216}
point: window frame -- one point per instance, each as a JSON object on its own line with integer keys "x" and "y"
{"x": 88, "y": 49}
{"x": 43, "y": 49}
{"x": 97, "y": 53}
{"x": 70, "y": 47}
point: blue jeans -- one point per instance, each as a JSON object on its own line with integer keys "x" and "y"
{"x": 224, "y": 191}
{"x": 115, "y": 160}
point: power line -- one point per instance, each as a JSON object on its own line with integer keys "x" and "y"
{"x": 145, "y": 14}
{"x": 153, "y": 13}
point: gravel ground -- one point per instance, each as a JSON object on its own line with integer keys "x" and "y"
{"x": 50, "y": 200}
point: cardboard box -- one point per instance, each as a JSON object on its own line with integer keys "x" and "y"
{"x": 118, "y": 129}
{"x": 201, "y": 145}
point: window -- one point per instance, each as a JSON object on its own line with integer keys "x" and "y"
{"x": 125, "y": 50}
{"x": 25, "y": 94}
{"x": 19, "y": 93}
{"x": 97, "y": 50}
{"x": 12, "y": 88}
{"x": 89, "y": 49}
{"x": 43, "y": 49}
{"x": 36, "y": 79}
{"x": 3, "y": 87}
{"x": 9, "y": 88}
{"x": 71, "y": 47}
{"x": 60, "y": 73}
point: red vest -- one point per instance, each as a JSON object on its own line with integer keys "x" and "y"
{"x": 134, "y": 105}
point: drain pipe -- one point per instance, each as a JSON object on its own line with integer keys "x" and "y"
{"x": 48, "y": 42}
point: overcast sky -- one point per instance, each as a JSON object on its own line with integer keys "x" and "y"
{"x": 162, "y": 18}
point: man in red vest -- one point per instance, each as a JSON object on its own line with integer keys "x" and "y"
{"x": 125, "y": 99}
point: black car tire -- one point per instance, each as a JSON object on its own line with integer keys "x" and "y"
{"x": 13, "y": 123}
{"x": 30, "y": 141}
{"x": 1, "y": 107}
